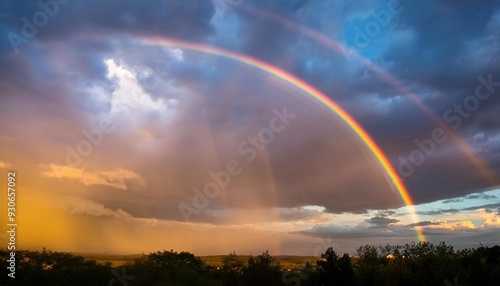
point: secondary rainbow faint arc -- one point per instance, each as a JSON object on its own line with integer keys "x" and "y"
{"x": 353, "y": 124}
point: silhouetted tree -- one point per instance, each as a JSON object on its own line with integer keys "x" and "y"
{"x": 335, "y": 270}
{"x": 55, "y": 268}
{"x": 368, "y": 265}
{"x": 411, "y": 264}
{"x": 264, "y": 270}
{"x": 169, "y": 268}
{"x": 327, "y": 267}
{"x": 482, "y": 265}
{"x": 232, "y": 268}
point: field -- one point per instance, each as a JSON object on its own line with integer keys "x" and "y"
{"x": 115, "y": 259}
{"x": 286, "y": 261}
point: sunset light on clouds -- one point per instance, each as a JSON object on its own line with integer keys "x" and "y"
{"x": 218, "y": 126}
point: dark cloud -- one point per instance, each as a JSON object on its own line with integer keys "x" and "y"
{"x": 386, "y": 213}
{"x": 480, "y": 196}
{"x": 180, "y": 19}
{"x": 423, "y": 223}
{"x": 380, "y": 222}
{"x": 449, "y": 201}
{"x": 438, "y": 212}
{"x": 488, "y": 206}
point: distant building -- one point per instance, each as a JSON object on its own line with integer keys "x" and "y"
{"x": 46, "y": 266}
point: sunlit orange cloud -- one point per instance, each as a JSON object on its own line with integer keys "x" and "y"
{"x": 116, "y": 178}
{"x": 492, "y": 221}
{"x": 451, "y": 225}
{"x": 488, "y": 219}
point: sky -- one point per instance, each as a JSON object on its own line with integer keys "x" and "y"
{"x": 213, "y": 126}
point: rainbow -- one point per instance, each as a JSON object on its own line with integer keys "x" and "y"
{"x": 293, "y": 80}
{"x": 337, "y": 47}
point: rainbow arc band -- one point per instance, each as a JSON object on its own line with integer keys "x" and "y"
{"x": 291, "y": 79}
{"x": 341, "y": 49}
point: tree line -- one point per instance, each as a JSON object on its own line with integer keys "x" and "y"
{"x": 411, "y": 264}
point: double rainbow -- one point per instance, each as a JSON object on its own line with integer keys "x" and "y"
{"x": 317, "y": 95}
